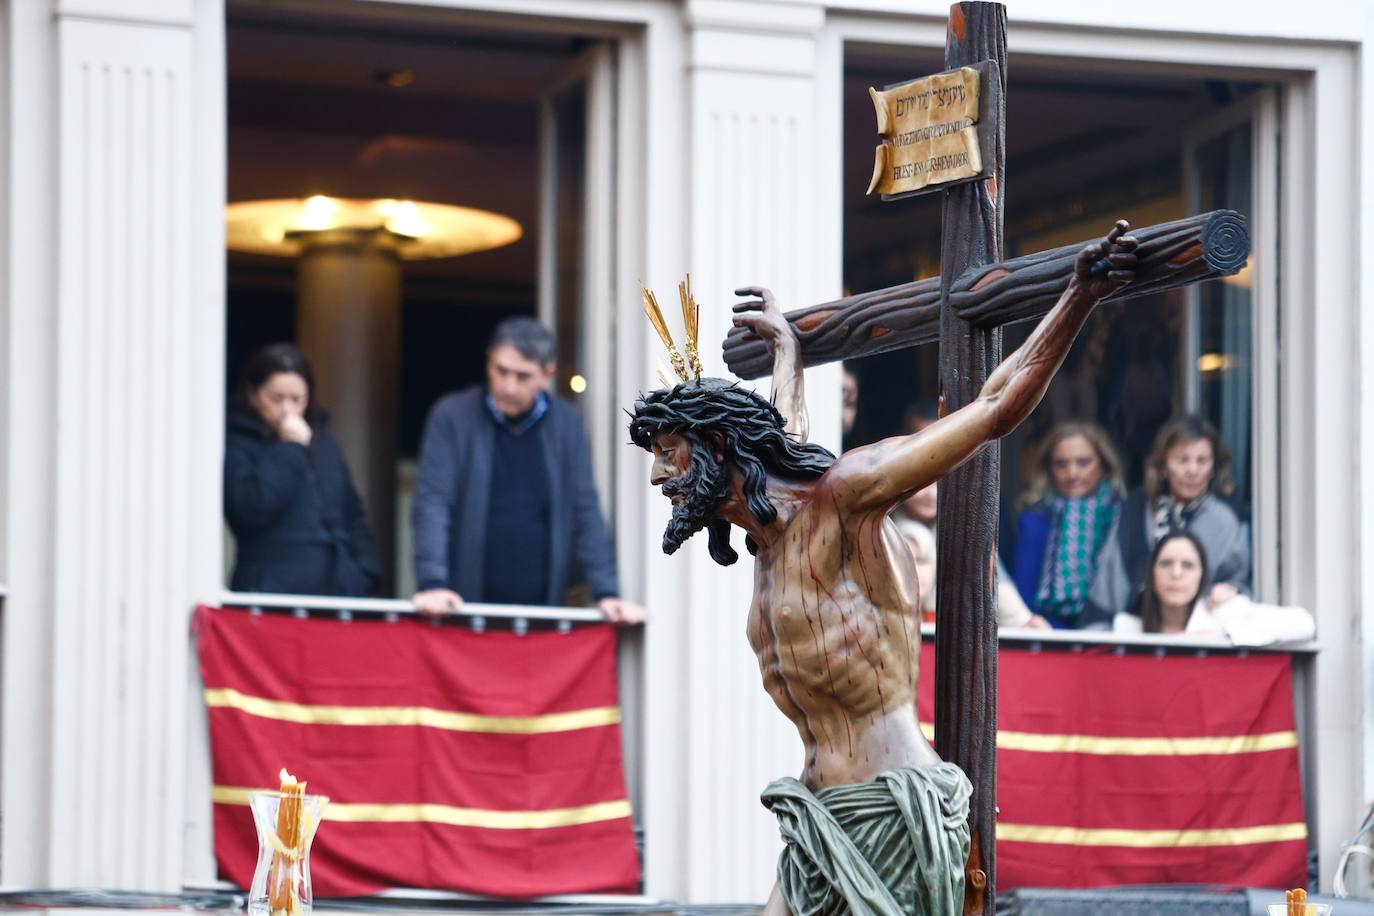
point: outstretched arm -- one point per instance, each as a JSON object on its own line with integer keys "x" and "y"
{"x": 764, "y": 318}
{"x": 883, "y": 473}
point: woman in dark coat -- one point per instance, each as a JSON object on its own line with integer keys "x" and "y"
{"x": 297, "y": 520}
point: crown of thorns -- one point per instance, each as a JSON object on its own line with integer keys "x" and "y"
{"x": 701, "y": 405}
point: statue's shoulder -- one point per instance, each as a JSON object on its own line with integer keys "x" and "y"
{"x": 847, "y": 467}
{"x": 829, "y": 497}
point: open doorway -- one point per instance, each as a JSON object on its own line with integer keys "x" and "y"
{"x": 354, "y": 107}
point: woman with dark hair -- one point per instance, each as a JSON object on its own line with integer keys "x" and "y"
{"x": 1070, "y": 509}
{"x": 1187, "y": 476}
{"x": 298, "y": 524}
{"x": 1172, "y": 602}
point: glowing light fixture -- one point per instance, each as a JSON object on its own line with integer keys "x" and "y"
{"x": 415, "y": 230}
{"x": 1216, "y": 362}
{"x": 577, "y": 384}
{"x": 1242, "y": 276}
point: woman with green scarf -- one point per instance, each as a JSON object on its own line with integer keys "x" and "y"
{"x": 1071, "y": 506}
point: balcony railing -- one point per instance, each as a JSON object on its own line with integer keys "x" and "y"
{"x": 473, "y": 614}
{"x": 1069, "y": 639}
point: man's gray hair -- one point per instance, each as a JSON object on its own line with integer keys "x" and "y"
{"x": 526, "y": 335}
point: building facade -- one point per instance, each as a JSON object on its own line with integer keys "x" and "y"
{"x": 113, "y": 323}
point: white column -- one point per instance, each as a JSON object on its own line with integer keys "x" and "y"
{"x": 114, "y": 326}
{"x": 762, "y": 207}
{"x": 1323, "y": 420}
{"x": 1362, "y": 878}
{"x": 348, "y": 323}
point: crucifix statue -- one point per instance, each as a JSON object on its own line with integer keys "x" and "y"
{"x": 880, "y": 822}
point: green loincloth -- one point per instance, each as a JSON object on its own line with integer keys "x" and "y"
{"x": 893, "y": 846}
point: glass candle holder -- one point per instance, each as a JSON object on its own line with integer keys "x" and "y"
{"x": 281, "y": 881}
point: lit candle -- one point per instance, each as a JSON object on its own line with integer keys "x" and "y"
{"x": 283, "y": 896}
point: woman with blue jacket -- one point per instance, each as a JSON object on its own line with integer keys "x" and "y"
{"x": 1070, "y": 510}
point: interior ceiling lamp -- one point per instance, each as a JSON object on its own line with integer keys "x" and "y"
{"x": 414, "y": 230}
{"x": 1242, "y": 276}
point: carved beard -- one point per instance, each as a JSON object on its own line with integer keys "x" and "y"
{"x": 702, "y": 488}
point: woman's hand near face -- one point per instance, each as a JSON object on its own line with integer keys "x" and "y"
{"x": 280, "y": 402}
{"x": 293, "y": 428}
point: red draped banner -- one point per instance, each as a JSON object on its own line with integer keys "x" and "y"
{"x": 487, "y": 763}
{"x": 491, "y": 763}
{"x": 1138, "y": 769}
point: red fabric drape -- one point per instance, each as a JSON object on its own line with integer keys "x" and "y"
{"x": 1090, "y": 795}
{"x": 1111, "y": 769}
{"x": 488, "y": 763}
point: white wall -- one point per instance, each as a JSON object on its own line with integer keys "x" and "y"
{"x": 114, "y": 319}
{"x": 1365, "y": 470}
{"x": 1326, "y": 20}
{"x": 763, "y": 209}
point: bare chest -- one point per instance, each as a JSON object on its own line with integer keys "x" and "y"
{"x": 828, "y": 596}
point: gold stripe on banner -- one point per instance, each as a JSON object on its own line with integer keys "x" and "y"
{"x": 1147, "y": 747}
{"x": 263, "y": 708}
{"x": 1138, "y": 746}
{"x": 448, "y": 814}
{"x": 1151, "y": 839}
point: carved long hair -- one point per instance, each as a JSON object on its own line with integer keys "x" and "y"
{"x": 715, "y": 415}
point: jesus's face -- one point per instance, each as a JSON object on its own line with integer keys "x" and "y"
{"x": 672, "y": 459}
{"x": 695, "y": 487}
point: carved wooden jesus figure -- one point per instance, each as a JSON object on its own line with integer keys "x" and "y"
{"x": 877, "y": 823}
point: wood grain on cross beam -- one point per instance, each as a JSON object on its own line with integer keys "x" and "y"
{"x": 1172, "y": 254}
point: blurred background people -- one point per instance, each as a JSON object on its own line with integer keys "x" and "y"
{"x": 918, "y": 416}
{"x": 916, "y": 517}
{"x": 506, "y": 510}
{"x": 298, "y": 524}
{"x": 1071, "y": 507}
{"x": 849, "y": 403}
{"x": 1172, "y": 602}
{"x": 920, "y": 540}
{"x": 1187, "y": 476}
{"x": 920, "y": 506}
{"x": 849, "y": 409}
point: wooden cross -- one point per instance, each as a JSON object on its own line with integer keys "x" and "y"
{"x": 965, "y": 309}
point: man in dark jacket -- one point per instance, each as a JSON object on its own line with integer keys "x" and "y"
{"x": 505, "y": 507}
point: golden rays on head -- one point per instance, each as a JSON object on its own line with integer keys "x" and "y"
{"x": 687, "y": 365}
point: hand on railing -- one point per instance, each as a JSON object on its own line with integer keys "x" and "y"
{"x": 620, "y": 611}
{"x": 1220, "y": 594}
{"x": 436, "y": 602}
{"x": 392, "y": 606}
